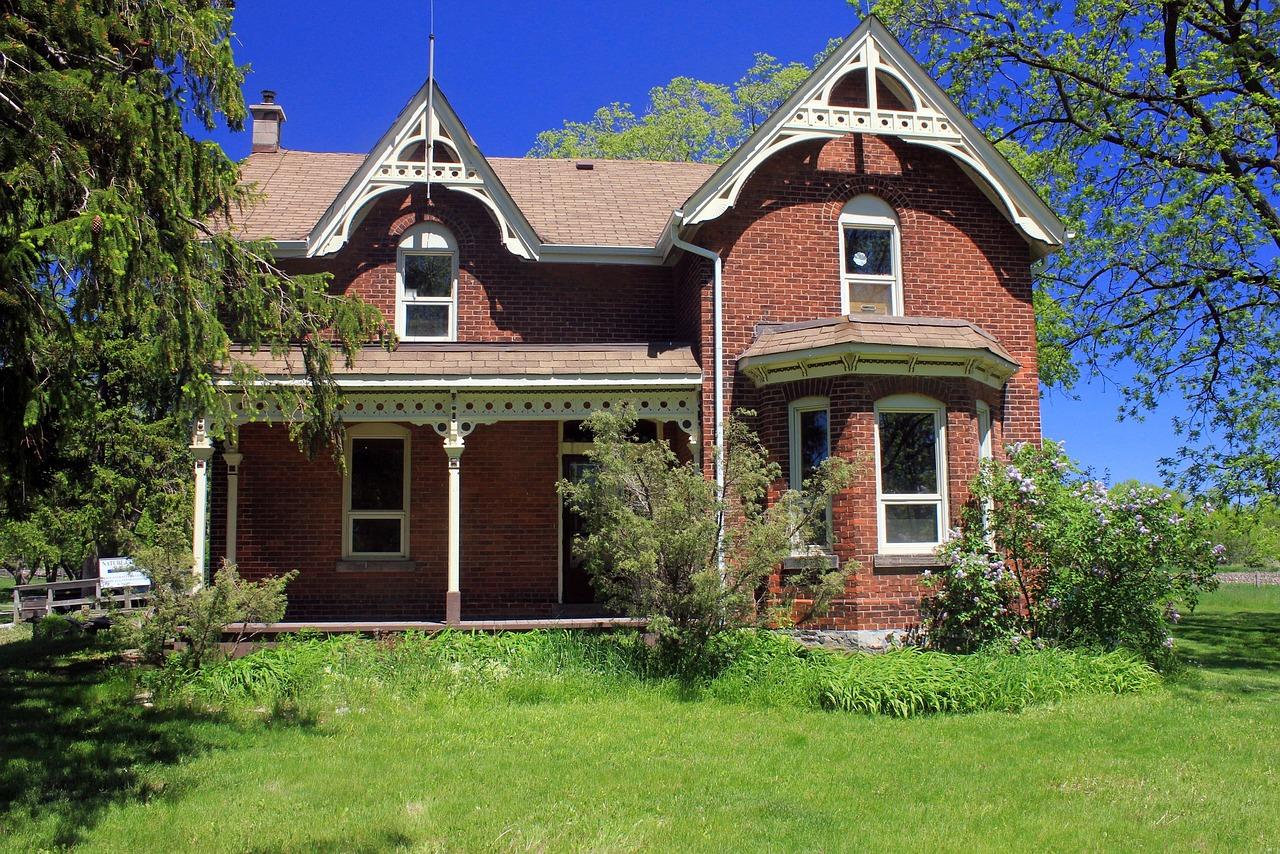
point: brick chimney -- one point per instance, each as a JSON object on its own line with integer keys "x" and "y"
{"x": 267, "y": 118}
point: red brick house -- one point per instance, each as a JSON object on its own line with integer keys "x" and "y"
{"x": 859, "y": 273}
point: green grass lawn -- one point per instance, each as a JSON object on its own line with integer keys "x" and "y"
{"x": 1192, "y": 766}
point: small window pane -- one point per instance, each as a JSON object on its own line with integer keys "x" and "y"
{"x": 870, "y": 298}
{"x": 377, "y": 474}
{"x": 375, "y": 536}
{"x": 908, "y": 455}
{"x": 426, "y": 321}
{"x": 911, "y": 523}
{"x": 815, "y": 444}
{"x": 428, "y": 276}
{"x": 868, "y": 251}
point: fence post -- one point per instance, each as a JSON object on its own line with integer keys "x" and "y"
{"x": 48, "y": 601}
{"x": 17, "y": 606}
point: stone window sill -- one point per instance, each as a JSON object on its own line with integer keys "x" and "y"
{"x": 802, "y": 561}
{"x": 899, "y": 564}
{"x": 377, "y": 566}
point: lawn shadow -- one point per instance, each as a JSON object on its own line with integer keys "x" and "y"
{"x": 1241, "y": 640}
{"x": 74, "y": 740}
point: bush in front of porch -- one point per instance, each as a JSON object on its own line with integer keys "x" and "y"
{"x": 693, "y": 555}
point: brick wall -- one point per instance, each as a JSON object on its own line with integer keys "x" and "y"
{"x": 290, "y": 517}
{"x": 502, "y": 297}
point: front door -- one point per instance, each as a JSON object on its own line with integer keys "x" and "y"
{"x": 576, "y": 586}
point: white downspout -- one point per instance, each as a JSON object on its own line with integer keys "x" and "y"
{"x": 718, "y": 336}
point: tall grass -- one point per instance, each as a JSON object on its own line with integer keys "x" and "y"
{"x": 752, "y": 668}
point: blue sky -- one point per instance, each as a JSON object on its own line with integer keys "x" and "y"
{"x": 343, "y": 70}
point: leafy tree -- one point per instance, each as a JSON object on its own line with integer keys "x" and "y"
{"x": 120, "y": 289}
{"x": 685, "y": 120}
{"x": 1250, "y": 533}
{"x": 664, "y": 544}
{"x": 1153, "y": 128}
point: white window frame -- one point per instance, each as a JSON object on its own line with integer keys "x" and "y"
{"x": 427, "y": 238}
{"x": 795, "y": 474}
{"x": 871, "y": 212}
{"x": 985, "y": 451}
{"x": 913, "y": 403}
{"x": 375, "y": 431}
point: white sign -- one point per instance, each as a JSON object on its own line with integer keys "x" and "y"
{"x": 116, "y": 572}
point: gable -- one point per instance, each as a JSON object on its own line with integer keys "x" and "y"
{"x": 872, "y": 85}
{"x": 400, "y": 160}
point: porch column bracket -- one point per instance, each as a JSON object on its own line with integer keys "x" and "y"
{"x": 454, "y": 433}
{"x": 202, "y": 450}
{"x": 232, "y": 457}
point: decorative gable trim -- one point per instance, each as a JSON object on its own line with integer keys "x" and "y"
{"x": 935, "y": 121}
{"x": 399, "y": 161}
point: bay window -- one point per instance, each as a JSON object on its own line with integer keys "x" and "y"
{"x": 810, "y": 447}
{"x": 910, "y": 473}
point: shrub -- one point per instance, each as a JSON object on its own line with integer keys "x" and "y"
{"x": 200, "y": 616}
{"x": 1045, "y": 554}
{"x": 663, "y": 544}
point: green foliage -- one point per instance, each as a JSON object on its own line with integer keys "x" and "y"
{"x": 662, "y": 543}
{"x": 1249, "y": 533}
{"x": 200, "y": 617}
{"x": 119, "y": 289}
{"x": 1151, "y": 128}
{"x": 749, "y": 667}
{"x": 686, "y": 120}
{"x": 1048, "y": 555}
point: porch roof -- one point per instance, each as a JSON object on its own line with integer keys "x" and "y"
{"x": 493, "y": 364}
{"x": 876, "y": 344}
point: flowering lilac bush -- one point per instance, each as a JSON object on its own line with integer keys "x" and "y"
{"x": 1048, "y": 556}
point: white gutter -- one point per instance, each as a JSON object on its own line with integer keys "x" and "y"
{"x": 718, "y": 365}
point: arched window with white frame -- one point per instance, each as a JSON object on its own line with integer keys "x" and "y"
{"x": 870, "y": 257}
{"x": 911, "y": 473}
{"x": 427, "y": 284}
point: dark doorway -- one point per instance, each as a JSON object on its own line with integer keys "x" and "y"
{"x": 576, "y": 586}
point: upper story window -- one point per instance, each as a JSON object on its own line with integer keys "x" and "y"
{"x": 911, "y": 473}
{"x": 870, "y": 257}
{"x": 810, "y": 448}
{"x": 427, "y": 285}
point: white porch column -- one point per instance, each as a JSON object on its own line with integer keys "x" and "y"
{"x": 232, "y": 457}
{"x": 453, "y": 447}
{"x": 202, "y": 450}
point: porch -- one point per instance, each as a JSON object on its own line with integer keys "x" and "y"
{"x": 447, "y": 514}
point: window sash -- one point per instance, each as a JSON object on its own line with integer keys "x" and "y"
{"x": 403, "y": 299}
{"x": 892, "y": 280}
{"x": 401, "y": 514}
{"x": 799, "y": 465}
{"x": 936, "y": 499}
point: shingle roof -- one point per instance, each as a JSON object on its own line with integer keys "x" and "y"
{"x": 466, "y": 360}
{"x": 297, "y": 188}
{"x": 906, "y": 332}
{"x": 615, "y": 203}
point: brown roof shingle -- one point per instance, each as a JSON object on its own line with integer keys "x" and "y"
{"x": 615, "y": 203}
{"x": 908, "y": 332}
{"x": 519, "y": 361}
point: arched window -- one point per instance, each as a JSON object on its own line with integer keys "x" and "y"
{"x": 427, "y": 284}
{"x": 870, "y": 257}
{"x": 911, "y": 473}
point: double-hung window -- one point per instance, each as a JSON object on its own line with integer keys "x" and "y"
{"x": 870, "y": 258}
{"x": 810, "y": 447}
{"x": 376, "y": 492}
{"x": 427, "y": 285}
{"x": 910, "y": 473}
